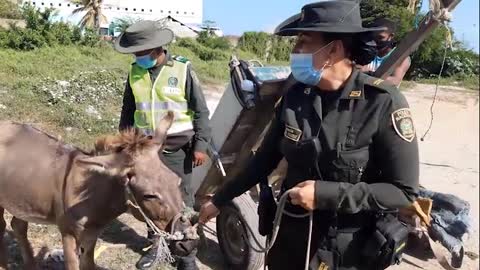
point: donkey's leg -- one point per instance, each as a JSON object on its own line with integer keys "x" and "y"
{"x": 87, "y": 249}
{"x": 3, "y": 248}
{"x": 70, "y": 251}
{"x": 20, "y": 229}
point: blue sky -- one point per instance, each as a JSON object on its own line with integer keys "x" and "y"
{"x": 237, "y": 16}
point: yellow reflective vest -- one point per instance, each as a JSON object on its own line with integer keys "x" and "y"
{"x": 167, "y": 93}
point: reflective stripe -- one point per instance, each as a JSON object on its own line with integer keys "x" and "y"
{"x": 174, "y": 106}
{"x": 177, "y": 116}
{"x": 177, "y": 127}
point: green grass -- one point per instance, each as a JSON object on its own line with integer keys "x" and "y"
{"x": 76, "y": 92}
{"x": 468, "y": 82}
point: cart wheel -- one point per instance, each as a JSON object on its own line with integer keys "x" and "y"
{"x": 232, "y": 232}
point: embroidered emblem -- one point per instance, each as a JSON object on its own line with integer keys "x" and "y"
{"x": 377, "y": 82}
{"x": 403, "y": 124}
{"x": 307, "y": 91}
{"x": 292, "y": 133}
{"x": 355, "y": 93}
{"x": 172, "y": 82}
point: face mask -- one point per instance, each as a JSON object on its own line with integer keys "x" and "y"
{"x": 302, "y": 68}
{"x": 145, "y": 61}
{"x": 383, "y": 44}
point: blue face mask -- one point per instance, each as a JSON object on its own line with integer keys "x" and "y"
{"x": 302, "y": 67}
{"x": 145, "y": 61}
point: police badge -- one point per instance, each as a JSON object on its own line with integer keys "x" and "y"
{"x": 403, "y": 124}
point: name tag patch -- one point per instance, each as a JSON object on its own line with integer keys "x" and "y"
{"x": 403, "y": 124}
{"x": 355, "y": 93}
{"x": 171, "y": 90}
{"x": 292, "y": 133}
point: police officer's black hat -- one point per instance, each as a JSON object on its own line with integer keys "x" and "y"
{"x": 326, "y": 16}
{"x": 142, "y": 36}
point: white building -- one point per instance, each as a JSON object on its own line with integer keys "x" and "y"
{"x": 189, "y": 12}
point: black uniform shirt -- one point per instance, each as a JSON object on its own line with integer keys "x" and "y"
{"x": 196, "y": 102}
{"x": 369, "y": 153}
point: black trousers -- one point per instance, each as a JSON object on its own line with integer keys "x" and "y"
{"x": 181, "y": 162}
{"x": 289, "y": 250}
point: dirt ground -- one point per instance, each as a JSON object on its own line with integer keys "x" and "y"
{"x": 449, "y": 163}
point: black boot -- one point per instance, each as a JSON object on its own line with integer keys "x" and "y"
{"x": 150, "y": 258}
{"x": 188, "y": 262}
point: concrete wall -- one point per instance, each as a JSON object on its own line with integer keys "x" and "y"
{"x": 186, "y": 11}
{"x": 5, "y": 23}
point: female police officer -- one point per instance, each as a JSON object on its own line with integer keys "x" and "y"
{"x": 350, "y": 144}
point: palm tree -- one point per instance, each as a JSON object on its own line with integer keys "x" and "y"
{"x": 93, "y": 13}
{"x": 121, "y": 24}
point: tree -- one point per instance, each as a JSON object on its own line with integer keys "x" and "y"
{"x": 208, "y": 24}
{"x": 122, "y": 24}
{"x": 93, "y": 13}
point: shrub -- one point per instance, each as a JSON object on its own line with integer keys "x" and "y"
{"x": 61, "y": 33}
{"x": 255, "y": 42}
{"x": 267, "y": 46}
{"x": 203, "y": 52}
{"x": 90, "y": 38}
{"x": 41, "y": 31}
{"x": 212, "y": 41}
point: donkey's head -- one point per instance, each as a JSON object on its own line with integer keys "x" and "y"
{"x": 134, "y": 159}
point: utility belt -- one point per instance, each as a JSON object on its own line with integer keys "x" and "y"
{"x": 372, "y": 240}
{"x": 370, "y": 247}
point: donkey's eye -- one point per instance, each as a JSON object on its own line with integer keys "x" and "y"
{"x": 150, "y": 197}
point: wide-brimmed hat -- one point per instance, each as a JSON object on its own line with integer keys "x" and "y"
{"x": 143, "y": 35}
{"x": 326, "y": 16}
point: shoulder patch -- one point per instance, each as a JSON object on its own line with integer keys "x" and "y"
{"x": 403, "y": 124}
{"x": 180, "y": 59}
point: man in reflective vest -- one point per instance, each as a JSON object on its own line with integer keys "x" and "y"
{"x": 159, "y": 82}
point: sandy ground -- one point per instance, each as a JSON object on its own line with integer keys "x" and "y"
{"x": 449, "y": 163}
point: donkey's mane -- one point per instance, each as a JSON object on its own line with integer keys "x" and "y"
{"x": 129, "y": 140}
{"x": 62, "y": 144}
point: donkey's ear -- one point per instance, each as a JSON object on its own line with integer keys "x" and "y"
{"x": 162, "y": 127}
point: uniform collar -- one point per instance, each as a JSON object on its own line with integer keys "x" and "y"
{"x": 168, "y": 59}
{"x": 353, "y": 88}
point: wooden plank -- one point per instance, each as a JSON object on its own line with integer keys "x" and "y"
{"x": 411, "y": 42}
{"x": 254, "y": 123}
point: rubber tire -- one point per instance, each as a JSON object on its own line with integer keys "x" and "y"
{"x": 247, "y": 208}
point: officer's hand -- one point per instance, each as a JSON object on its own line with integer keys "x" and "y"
{"x": 199, "y": 158}
{"x": 207, "y": 212}
{"x": 303, "y": 195}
